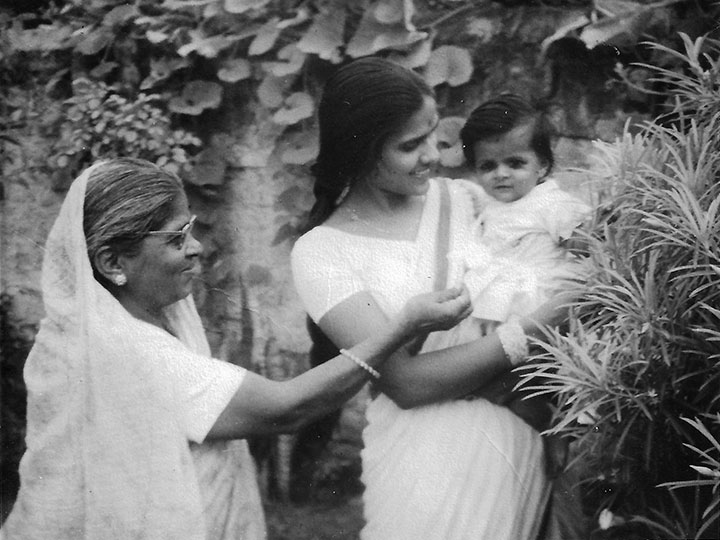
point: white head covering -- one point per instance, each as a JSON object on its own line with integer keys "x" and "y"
{"x": 105, "y": 455}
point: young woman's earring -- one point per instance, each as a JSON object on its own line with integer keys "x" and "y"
{"x": 120, "y": 280}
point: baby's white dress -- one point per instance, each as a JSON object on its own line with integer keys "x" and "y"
{"x": 515, "y": 261}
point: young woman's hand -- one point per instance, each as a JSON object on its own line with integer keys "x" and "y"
{"x": 434, "y": 311}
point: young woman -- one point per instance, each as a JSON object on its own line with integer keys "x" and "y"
{"x": 129, "y": 418}
{"x": 434, "y": 466}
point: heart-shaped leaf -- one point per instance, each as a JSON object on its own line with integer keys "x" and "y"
{"x": 120, "y": 14}
{"x": 296, "y": 107}
{"x": 295, "y": 61}
{"x": 325, "y": 37}
{"x": 209, "y": 47}
{"x": 234, "y": 70}
{"x": 161, "y": 69}
{"x": 265, "y": 39}
{"x": 449, "y": 143}
{"x": 301, "y": 15}
{"x": 196, "y": 97}
{"x": 449, "y": 64}
{"x": 373, "y": 36}
{"x": 625, "y": 26}
{"x": 417, "y": 55}
{"x": 483, "y": 28}
{"x": 213, "y": 10}
{"x": 299, "y": 148}
{"x": 43, "y": 38}
{"x": 103, "y": 69}
{"x": 270, "y": 92}
{"x": 241, "y": 6}
{"x": 155, "y": 36}
{"x": 95, "y": 41}
{"x": 389, "y": 11}
{"x": 209, "y": 168}
{"x": 185, "y": 4}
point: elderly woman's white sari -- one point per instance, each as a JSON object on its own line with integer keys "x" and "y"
{"x": 457, "y": 470}
{"x": 112, "y": 410}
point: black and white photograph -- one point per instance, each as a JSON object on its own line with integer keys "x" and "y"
{"x": 360, "y": 269}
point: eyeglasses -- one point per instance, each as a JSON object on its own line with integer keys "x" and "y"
{"x": 179, "y": 237}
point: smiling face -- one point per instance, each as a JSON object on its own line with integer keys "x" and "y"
{"x": 506, "y": 166}
{"x": 408, "y": 158}
{"x": 163, "y": 270}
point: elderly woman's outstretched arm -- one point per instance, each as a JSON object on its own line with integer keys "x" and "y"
{"x": 262, "y": 406}
{"x": 435, "y": 376}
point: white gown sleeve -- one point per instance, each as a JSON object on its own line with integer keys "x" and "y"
{"x": 200, "y": 387}
{"x": 322, "y": 275}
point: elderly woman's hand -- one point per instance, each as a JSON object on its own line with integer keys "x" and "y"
{"x": 434, "y": 311}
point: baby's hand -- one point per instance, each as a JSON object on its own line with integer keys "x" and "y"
{"x": 434, "y": 311}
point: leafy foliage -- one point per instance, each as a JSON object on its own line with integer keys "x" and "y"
{"x": 193, "y": 51}
{"x": 102, "y": 124}
{"x": 192, "y": 58}
{"x": 643, "y": 353}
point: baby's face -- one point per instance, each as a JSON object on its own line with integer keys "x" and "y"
{"x": 506, "y": 167}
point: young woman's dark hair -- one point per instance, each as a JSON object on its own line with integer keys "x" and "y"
{"x": 363, "y": 103}
{"x": 504, "y": 113}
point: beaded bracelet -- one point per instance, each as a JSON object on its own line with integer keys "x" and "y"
{"x": 360, "y": 363}
{"x": 514, "y": 342}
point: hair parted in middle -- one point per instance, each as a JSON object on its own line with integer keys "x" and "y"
{"x": 363, "y": 103}
{"x": 502, "y": 114}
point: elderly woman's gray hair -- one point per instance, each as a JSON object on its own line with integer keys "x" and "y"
{"x": 124, "y": 200}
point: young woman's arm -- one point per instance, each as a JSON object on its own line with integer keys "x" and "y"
{"x": 435, "y": 376}
{"x": 262, "y": 406}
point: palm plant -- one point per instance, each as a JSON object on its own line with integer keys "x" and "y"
{"x": 637, "y": 377}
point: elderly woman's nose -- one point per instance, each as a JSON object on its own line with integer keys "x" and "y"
{"x": 192, "y": 246}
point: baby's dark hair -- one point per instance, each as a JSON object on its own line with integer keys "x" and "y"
{"x": 504, "y": 113}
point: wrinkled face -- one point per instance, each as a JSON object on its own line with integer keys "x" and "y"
{"x": 506, "y": 166}
{"x": 163, "y": 271}
{"x": 408, "y": 158}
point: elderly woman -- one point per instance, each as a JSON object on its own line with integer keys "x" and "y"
{"x": 128, "y": 415}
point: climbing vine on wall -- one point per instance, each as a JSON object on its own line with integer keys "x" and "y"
{"x": 173, "y": 64}
{"x": 191, "y": 51}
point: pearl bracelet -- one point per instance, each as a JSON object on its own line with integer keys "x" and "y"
{"x": 360, "y": 363}
{"x": 514, "y": 342}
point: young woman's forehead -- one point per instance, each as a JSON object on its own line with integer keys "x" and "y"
{"x": 422, "y": 122}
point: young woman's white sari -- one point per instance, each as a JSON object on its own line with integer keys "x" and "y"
{"x": 457, "y": 470}
{"x": 110, "y": 417}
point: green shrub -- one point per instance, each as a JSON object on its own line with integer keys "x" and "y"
{"x": 637, "y": 377}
